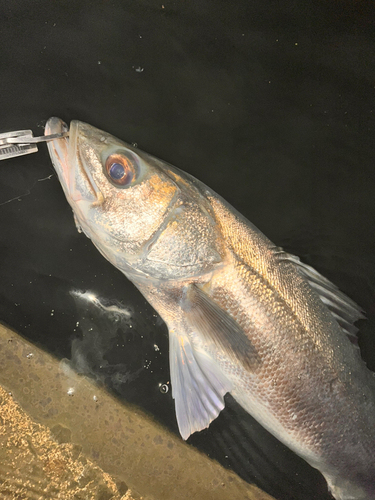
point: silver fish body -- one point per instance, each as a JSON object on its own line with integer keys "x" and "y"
{"x": 243, "y": 316}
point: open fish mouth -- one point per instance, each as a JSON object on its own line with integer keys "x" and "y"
{"x": 59, "y": 150}
{"x": 64, "y": 153}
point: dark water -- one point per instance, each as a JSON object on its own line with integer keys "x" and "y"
{"x": 270, "y": 103}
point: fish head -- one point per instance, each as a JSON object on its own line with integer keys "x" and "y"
{"x": 131, "y": 205}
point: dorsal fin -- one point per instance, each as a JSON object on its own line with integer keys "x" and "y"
{"x": 345, "y": 311}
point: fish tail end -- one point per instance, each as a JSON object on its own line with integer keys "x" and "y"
{"x": 345, "y": 489}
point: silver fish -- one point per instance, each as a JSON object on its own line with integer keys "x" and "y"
{"x": 243, "y": 316}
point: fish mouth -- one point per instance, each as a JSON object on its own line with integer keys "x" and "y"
{"x": 59, "y": 150}
{"x": 64, "y": 153}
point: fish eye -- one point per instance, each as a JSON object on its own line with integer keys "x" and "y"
{"x": 120, "y": 169}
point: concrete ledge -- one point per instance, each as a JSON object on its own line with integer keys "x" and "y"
{"x": 63, "y": 437}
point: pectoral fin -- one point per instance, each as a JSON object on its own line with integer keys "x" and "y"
{"x": 217, "y": 327}
{"x": 198, "y": 385}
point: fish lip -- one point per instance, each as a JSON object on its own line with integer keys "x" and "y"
{"x": 59, "y": 150}
{"x": 75, "y": 156}
{"x": 66, "y": 159}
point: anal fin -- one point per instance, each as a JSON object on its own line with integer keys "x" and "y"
{"x": 198, "y": 385}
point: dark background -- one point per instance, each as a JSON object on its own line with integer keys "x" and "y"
{"x": 269, "y": 103}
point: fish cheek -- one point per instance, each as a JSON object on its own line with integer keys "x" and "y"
{"x": 131, "y": 217}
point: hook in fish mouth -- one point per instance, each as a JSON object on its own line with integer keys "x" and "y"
{"x": 21, "y": 137}
{"x": 22, "y": 142}
{"x": 55, "y": 126}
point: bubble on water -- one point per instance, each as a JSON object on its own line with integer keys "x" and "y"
{"x": 156, "y": 347}
{"x": 163, "y": 388}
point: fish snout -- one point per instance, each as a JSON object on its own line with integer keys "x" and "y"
{"x": 55, "y": 126}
